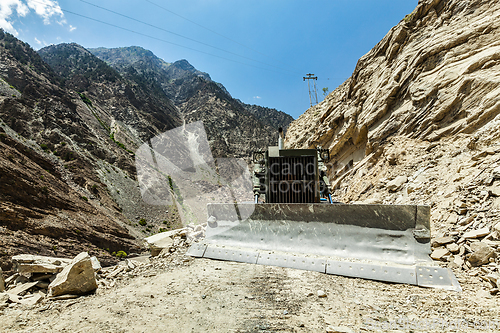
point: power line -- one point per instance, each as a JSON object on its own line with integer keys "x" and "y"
{"x": 215, "y": 32}
{"x": 179, "y": 35}
{"x": 162, "y": 40}
{"x": 310, "y": 77}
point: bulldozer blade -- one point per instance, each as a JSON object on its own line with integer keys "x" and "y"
{"x": 380, "y": 242}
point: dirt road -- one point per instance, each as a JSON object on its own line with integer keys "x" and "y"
{"x": 182, "y": 294}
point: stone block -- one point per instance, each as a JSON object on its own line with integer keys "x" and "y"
{"x": 28, "y": 263}
{"x": 476, "y": 233}
{"x": 439, "y": 253}
{"x": 76, "y": 278}
{"x": 481, "y": 255}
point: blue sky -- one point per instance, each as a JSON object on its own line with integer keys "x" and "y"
{"x": 259, "y": 49}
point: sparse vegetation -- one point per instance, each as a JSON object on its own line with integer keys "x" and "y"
{"x": 121, "y": 254}
{"x": 143, "y": 222}
{"x": 85, "y": 99}
{"x": 85, "y": 198}
{"x": 121, "y": 145}
{"x": 409, "y": 17}
{"x": 68, "y": 156}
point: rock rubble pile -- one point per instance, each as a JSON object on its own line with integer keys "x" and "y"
{"x": 459, "y": 178}
{"x": 38, "y": 279}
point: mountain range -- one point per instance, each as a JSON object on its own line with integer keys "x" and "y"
{"x": 71, "y": 120}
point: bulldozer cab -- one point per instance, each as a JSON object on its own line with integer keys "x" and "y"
{"x": 291, "y": 175}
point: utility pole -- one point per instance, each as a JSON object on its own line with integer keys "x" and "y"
{"x": 310, "y": 77}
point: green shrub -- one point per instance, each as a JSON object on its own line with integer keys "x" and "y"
{"x": 44, "y": 146}
{"x": 85, "y": 198}
{"x": 143, "y": 222}
{"x": 121, "y": 254}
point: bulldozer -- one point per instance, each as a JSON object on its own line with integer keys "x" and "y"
{"x": 293, "y": 222}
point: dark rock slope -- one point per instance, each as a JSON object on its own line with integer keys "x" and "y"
{"x": 69, "y": 128}
{"x": 53, "y": 199}
{"x": 233, "y": 128}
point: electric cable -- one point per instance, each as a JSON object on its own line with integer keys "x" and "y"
{"x": 219, "y": 34}
{"x": 165, "y": 41}
{"x": 182, "y": 36}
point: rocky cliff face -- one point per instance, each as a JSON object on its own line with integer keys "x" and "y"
{"x": 435, "y": 74}
{"x": 418, "y": 123}
{"x": 234, "y": 129}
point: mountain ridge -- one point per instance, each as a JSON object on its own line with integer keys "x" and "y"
{"x": 69, "y": 127}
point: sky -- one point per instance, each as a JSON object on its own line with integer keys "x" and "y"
{"x": 260, "y": 50}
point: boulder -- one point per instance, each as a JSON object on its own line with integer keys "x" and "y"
{"x": 481, "y": 254}
{"x": 495, "y": 191}
{"x": 77, "y": 278}
{"x": 453, "y": 248}
{"x": 32, "y": 299}
{"x": 22, "y": 288}
{"x": 494, "y": 278}
{"x": 28, "y": 263}
{"x": 339, "y": 329}
{"x": 4, "y": 298}
{"x": 165, "y": 239}
{"x": 396, "y": 183}
{"x": 96, "y": 265}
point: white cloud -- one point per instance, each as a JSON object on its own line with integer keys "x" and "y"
{"x": 46, "y": 9}
{"x": 257, "y": 97}
{"x": 37, "y": 41}
{"x": 71, "y": 28}
{"x": 7, "y": 8}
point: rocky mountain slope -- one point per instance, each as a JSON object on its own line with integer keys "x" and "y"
{"x": 433, "y": 75}
{"x": 418, "y": 122}
{"x": 52, "y": 198}
{"x": 69, "y": 128}
{"x": 270, "y": 116}
{"x": 233, "y": 128}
